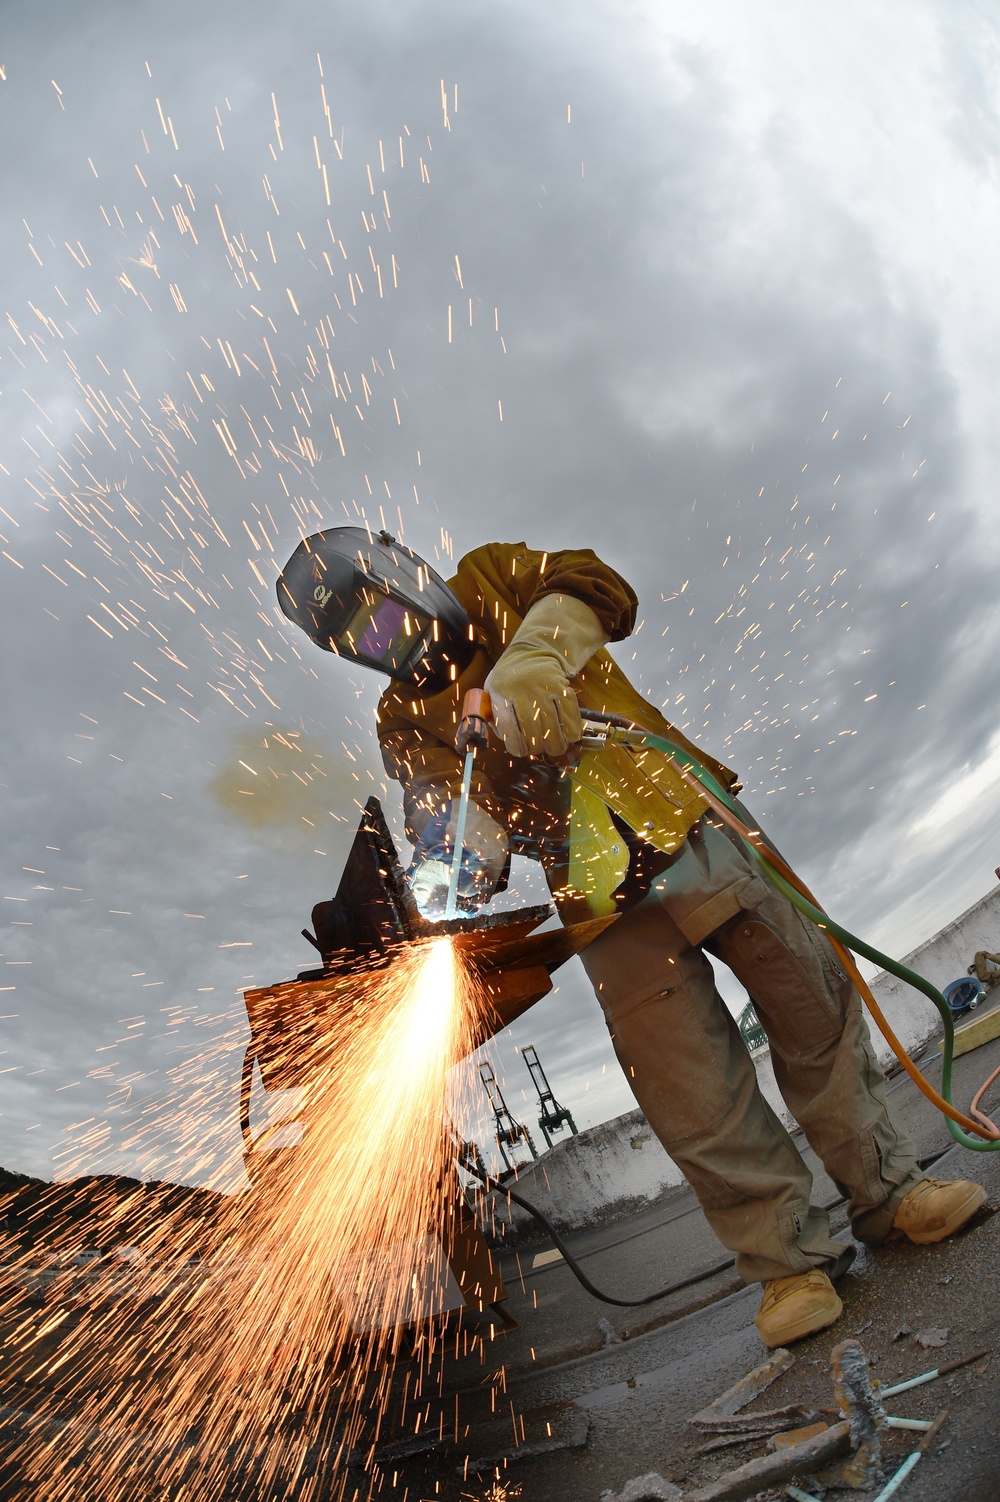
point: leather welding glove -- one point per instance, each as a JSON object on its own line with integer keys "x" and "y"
{"x": 535, "y": 710}
{"x": 484, "y": 861}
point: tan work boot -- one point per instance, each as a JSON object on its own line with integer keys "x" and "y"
{"x": 935, "y": 1208}
{"x": 796, "y": 1306}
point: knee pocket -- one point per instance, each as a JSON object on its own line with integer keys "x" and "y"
{"x": 675, "y": 1064}
{"x": 800, "y": 993}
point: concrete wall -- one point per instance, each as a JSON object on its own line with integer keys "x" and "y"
{"x": 601, "y": 1174}
{"x": 944, "y": 958}
{"x": 607, "y": 1172}
{"x": 619, "y": 1167}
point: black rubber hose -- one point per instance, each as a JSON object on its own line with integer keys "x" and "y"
{"x": 574, "y": 1266}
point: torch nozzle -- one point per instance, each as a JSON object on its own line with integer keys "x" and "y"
{"x": 477, "y": 713}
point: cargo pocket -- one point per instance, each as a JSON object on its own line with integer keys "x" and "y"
{"x": 886, "y": 1167}
{"x": 798, "y": 994}
{"x": 699, "y": 923}
{"x": 673, "y": 1062}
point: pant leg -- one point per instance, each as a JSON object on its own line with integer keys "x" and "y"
{"x": 823, "y": 1059}
{"x": 693, "y": 1077}
{"x": 696, "y": 1083}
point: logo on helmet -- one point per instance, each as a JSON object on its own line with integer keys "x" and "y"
{"x": 321, "y": 595}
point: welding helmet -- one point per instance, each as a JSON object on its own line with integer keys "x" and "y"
{"x": 376, "y": 602}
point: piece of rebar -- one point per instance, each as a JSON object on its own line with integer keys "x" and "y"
{"x": 895, "y": 1482}
{"x": 747, "y": 1388}
{"x": 771, "y": 1470}
{"x": 938, "y": 1371}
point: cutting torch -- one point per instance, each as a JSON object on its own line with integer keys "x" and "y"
{"x": 476, "y": 714}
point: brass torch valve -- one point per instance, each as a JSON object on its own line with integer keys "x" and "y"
{"x": 477, "y": 712}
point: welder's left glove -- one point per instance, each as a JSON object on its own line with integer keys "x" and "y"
{"x": 535, "y": 710}
{"x": 484, "y": 861}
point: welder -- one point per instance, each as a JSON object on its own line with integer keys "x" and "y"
{"x": 619, "y": 830}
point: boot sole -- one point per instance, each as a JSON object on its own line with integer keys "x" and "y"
{"x": 798, "y": 1329}
{"x": 963, "y": 1212}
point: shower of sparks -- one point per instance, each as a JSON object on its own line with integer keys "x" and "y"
{"x": 277, "y": 1360}
{"x": 176, "y": 377}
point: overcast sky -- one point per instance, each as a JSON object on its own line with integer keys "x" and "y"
{"x": 708, "y": 289}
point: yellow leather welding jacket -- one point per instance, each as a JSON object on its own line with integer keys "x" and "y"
{"x": 562, "y": 816}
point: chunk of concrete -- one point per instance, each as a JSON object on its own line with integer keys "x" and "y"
{"x": 649, "y": 1488}
{"x": 536, "y": 1431}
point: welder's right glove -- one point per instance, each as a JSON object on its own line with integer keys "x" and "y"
{"x": 535, "y": 711}
{"x": 484, "y": 861}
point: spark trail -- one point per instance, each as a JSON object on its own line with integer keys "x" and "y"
{"x": 279, "y": 1366}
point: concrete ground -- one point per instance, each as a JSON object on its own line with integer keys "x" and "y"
{"x": 615, "y": 1386}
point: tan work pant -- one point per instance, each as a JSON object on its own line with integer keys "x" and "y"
{"x": 692, "y": 1074}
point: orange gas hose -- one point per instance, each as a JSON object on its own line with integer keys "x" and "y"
{"x": 974, "y": 1108}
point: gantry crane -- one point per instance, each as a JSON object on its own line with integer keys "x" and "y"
{"x": 553, "y": 1116}
{"x": 509, "y": 1132}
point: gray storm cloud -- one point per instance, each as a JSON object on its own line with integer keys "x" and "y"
{"x": 588, "y": 277}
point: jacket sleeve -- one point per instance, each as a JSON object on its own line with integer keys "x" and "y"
{"x": 582, "y": 575}
{"x": 517, "y": 576}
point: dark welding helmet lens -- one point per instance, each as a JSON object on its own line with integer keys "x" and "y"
{"x": 384, "y": 633}
{"x": 376, "y": 602}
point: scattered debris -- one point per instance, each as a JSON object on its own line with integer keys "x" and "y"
{"x": 723, "y": 1418}
{"x": 746, "y": 1423}
{"x": 649, "y": 1488}
{"x": 862, "y": 1408}
{"x": 607, "y": 1329}
{"x": 791, "y": 1437}
{"x": 771, "y": 1470}
{"x": 740, "y": 1437}
{"x": 927, "y": 1338}
{"x": 856, "y": 1398}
